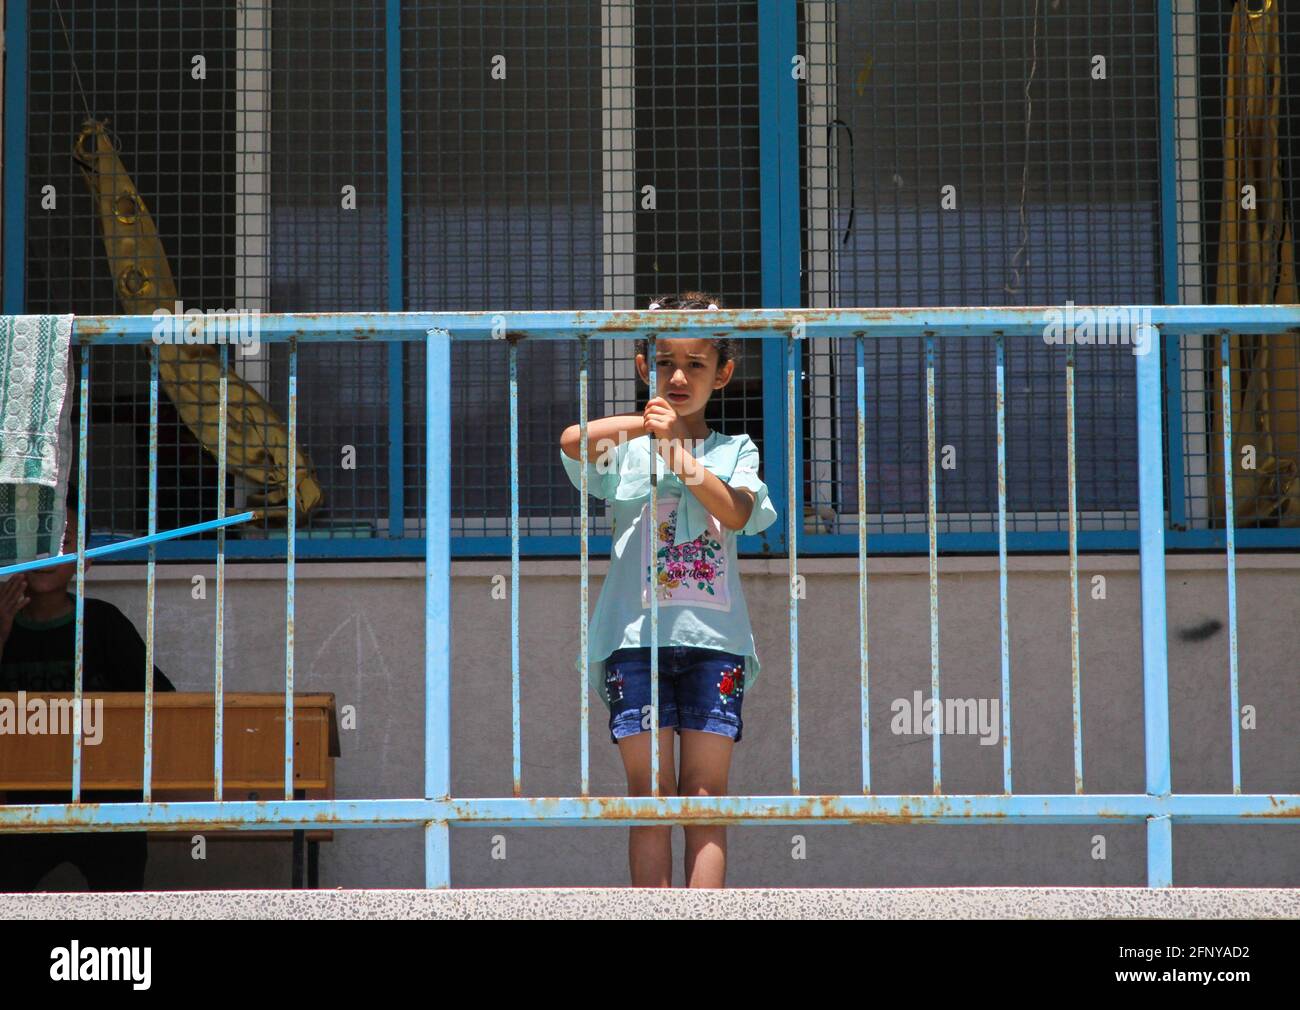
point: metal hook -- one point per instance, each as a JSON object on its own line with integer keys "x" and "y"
{"x": 1259, "y": 13}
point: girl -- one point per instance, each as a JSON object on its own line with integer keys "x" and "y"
{"x": 709, "y": 492}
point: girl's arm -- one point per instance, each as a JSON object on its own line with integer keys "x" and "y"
{"x": 732, "y": 506}
{"x": 603, "y": 435}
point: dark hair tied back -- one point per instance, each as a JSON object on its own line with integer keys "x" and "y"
{"x": 728, "y": 348}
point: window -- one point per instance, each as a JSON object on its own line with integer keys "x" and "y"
{"x": 903, "y": 101}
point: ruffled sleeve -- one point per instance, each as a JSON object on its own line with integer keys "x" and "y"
{"x": 602, "y": 474}
{"x": 746, "y": 476}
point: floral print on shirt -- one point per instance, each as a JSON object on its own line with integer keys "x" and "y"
{"x": 693, "y": 573}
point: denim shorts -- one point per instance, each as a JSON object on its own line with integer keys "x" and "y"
{"x": 698, "y": 689}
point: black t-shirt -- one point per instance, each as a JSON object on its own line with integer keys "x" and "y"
{"x": 39, "y": 656}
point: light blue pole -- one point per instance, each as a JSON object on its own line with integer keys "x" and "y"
{"x": 1155, "y": 658}
{"x": 219, "y": 634}
{"x": 128, "y": 545}
{"x": 1004, "y": 634}
{"x": 932, "y": 528}
{"x": 516, "y": 756}
{"x": 596, "y": 811}
{"x": 437, "y": 602}
{"x": 291, "y": 547}
{"x": 794, "y": 516}
{"x": 652, "y": 373}
{"x": 151, "y": 579}
{"x": 1229, "y": 532}
{"x": 584, "y": 616}
{"x": 946, "y": 322}
{"x": 865, "y": 694}
{"x": 83, "y": 521}
{"x": 1072, "y": 480}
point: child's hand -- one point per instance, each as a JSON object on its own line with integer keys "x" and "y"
{"x": 660, "y": 418}
{"x": 13, "y": 597}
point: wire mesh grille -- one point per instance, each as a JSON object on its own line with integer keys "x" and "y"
{"x": 563, "y": 156}
{"x": 79, "y": 70}
{"x": 964, "y": 154}
{"x": 591, "y": 153}
{"x": 1237, "y": 212}
{"x": 241, "y": 126}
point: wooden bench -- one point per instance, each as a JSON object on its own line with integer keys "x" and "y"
{"x": 183, "y": 736}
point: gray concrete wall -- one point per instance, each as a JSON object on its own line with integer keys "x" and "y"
{"x": 359, "y": 636}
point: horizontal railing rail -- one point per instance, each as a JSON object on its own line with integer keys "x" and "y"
{"x": 741, "y": 323}
{"x": 1158, "y": 807}
{"x": 960, "y": 530}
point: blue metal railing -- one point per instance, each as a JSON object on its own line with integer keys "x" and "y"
{"x": 1158, "y": 807}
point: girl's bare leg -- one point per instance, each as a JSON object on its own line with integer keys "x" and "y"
{"x": 706, "y": 765}
{"x": 650, "y": 849}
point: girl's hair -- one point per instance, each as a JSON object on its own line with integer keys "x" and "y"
{"x": 728, "y": 349}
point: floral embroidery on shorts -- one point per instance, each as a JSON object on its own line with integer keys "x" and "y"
{"x": 732, "y": 684}
{"x": 614, "y": 685}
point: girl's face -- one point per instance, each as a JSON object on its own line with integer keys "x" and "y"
{"x": 687, "y": 372}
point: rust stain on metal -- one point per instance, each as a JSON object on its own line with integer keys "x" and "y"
{"x": 810, "y": 808}
{"x": 88, "y": 328}
{"x": 723, "y": 319}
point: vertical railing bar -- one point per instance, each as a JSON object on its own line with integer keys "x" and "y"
{"x": 219, "y": 689}
{"x": 652, "y": 371}
{"x": 1004, "y": 635}
{"x": 1229, "y": 530}
{"x": 584, "y": 619}
{"x": 793, "y": 518}
{"x": 932, "y": 527}
{"x": 290, "y": 539}
{"x": 865, "y": 701}
{"x": 437, "y": 601}
{"x": 516, "y": 758}
{"x": 79, "y": 655}
{"x": 1155, "y": 648}
{"x": 396, "y": 442}
{"x": 151, "y": 581}
{"x": 1072, "y": 482}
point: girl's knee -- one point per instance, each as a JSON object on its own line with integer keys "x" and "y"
{"x": 639, "y": 785}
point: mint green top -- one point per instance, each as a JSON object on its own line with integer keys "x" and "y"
{"x": 701, "y": 602}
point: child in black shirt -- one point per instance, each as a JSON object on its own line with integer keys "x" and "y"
{"x": 37, "y": 650}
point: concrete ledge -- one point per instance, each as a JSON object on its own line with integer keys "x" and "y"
{"x": 352, "y": 570}
{"x": 671, "y": 903}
